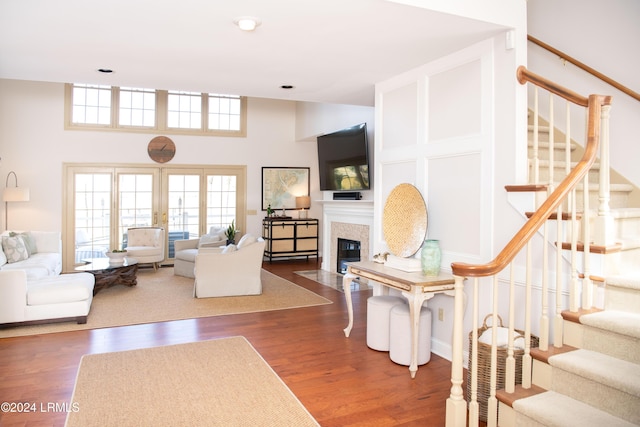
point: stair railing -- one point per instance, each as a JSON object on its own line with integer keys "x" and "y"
{"x": 496, "y": 280}
{"x": 565, "y": 57}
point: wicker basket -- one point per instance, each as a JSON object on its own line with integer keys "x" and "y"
{"x": 484, "y": 366}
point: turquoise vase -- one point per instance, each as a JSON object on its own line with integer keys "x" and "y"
{"x": 430, "y": 257}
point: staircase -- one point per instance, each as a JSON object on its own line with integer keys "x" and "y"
{"x": 593, "y": 379}
{"x": 586, "y": 371}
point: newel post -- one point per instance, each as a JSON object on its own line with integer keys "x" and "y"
{"x": 604, "y": 232}
{"x": 456, "y": 415}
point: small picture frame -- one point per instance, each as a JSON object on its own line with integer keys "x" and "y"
{"x": 281, "y": 186}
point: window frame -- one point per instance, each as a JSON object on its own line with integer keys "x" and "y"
{"x": 161, "y": 201}
{"x": 161, "y": 125}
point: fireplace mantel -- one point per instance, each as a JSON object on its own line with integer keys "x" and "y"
{"x": 359, "y": 212}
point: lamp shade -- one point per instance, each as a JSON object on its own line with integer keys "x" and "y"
{"x": 15, "y": 194}
{"x": 303, "y": 202}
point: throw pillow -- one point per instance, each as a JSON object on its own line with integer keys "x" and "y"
{"x": 14, "y": 248}
{"x": 208, "y": 240}
{"x": 3, "y": 258}
{"x": 246, "y": 240}
{"x": 229, "y": 248}
{"x": 29, "y": 241}
{"x": 217, "y": 232}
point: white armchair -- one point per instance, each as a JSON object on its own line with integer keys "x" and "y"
{"x": 146, "y": 245}
{"x": 230, "y": 271}
{"x": 186, "y": 250}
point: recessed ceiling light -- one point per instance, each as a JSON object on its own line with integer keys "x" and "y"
{"x": 247, "y": 23}
{"x": 105, "y": 70}
{"x": 287, "y": 87}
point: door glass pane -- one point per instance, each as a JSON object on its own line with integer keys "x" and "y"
{"x": 92, "y": 215}
{"x": 221, "y": 200}
{"x": 136, "y": 203}
{"x": 184, "y": 209}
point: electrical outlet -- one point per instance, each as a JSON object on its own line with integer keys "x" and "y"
{"x": 441, "y": 314}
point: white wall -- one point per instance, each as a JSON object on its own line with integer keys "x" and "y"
{"x": 604, "y": 36}
{"x": 34, "y": 144}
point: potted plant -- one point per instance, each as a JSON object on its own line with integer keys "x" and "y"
{"x": 230, "y": 233}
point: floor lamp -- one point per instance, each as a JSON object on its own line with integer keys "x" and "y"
{"x": 13, "y": 194}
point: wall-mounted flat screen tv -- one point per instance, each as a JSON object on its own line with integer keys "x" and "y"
{"x": 343, "y": 160}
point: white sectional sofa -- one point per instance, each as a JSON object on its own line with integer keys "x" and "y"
{"x": 31, "y": 286}
{"x": 43, "y": 255}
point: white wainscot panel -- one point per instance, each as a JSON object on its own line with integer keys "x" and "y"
{"x": 455, "y": 102}
{"x": 454, "y": 203}
{"x": 392, "y": 174}
{"x": 399, "y": 117}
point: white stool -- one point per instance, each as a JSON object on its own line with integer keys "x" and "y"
{"x": 378, "y": 309}
{"x": 400, "y": 335}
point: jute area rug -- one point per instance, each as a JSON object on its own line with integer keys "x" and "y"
{"x": 222, "y": 382}
{"x": 161, "y": 296}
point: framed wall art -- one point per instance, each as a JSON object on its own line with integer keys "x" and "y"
{"x": 281, "y": 186}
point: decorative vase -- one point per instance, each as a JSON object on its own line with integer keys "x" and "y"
{"x": 116, "y": 257}
{"x": 430, "y": 257}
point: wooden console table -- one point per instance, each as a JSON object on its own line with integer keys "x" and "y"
{"x": 415, "y": 287}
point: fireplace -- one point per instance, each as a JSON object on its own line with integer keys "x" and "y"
{"x": 348, "y": 251}
{"x": 349, "y": 220}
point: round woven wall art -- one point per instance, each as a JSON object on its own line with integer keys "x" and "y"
{"x": 404, "y": 220}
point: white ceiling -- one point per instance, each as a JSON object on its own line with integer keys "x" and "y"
{"x": 331, "y": 51}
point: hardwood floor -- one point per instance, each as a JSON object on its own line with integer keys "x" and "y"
{"x": 339, "y": 380}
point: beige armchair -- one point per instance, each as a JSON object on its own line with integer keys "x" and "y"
{"x": 230, "y": 271}
{"x": 146, "y": 245}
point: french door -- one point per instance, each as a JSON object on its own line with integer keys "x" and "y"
{"x": 103, "y": 202}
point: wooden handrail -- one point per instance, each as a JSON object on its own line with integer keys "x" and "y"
{"x": 525, "y": 75}
{"x": 550, "y": 205}
{"x": 585, "y": 67}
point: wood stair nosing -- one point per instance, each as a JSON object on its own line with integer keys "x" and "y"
{"x": 526, "y": 188}
{"x": 544, "y": 355}
{"x": 574, "y": 316}
{"x": 564, "y": 216}
{"x": 594, "y": 249}
{"x": 519, "y": 393}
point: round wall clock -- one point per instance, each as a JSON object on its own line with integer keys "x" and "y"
{"x": 161, "y": 149}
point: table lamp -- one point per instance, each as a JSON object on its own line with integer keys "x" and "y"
{"x": 303, "y": 203}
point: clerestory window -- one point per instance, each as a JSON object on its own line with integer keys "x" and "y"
{"x": 91, "y": 104}
{"x": 128, "y": 109}
{"x": 137, "y": 107}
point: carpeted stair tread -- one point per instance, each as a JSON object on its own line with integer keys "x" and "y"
{"x": 620, "y": 322}
{"x": 557, "y": 410}
{"x": 598, "y": 367}
{"x": 629, "y": 281}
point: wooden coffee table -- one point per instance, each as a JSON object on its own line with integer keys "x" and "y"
{"x": 108, "y": 274}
